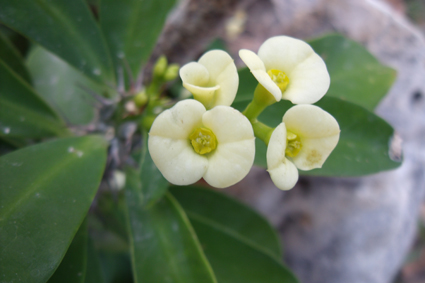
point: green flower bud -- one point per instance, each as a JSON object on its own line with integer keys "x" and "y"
{"x": 160, "y": 67}
{"x": 140, "y": 98}
{"x": 172, "y": 72}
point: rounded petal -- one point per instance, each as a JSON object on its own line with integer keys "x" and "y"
{"x": 179, "y": 121}
{"x": 309, "y": 81}
{"x": 314, "y": 152}
{"x": 228, "y": 124}
{"x": 176, "y": 160}
{"x": 283, "y": 53}
{"x": 283, "y": 172}
{"x": 224, "y": 73}
{"x": 276, "y": 147}
{"x": 257, "y": 68}
{"x": 284, "y": 176}
{"x": 318, "y": 131}
{"x": 194, "y": 73}
{"x": 310, "y": 121}
{"x": 196, "y": 79}
{"x": 230, "y": 163}
{"x": 308, "y": 76}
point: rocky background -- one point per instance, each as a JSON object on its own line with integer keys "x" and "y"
{"x": 334, "y": 230}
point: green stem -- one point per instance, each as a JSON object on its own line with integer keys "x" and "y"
{"x": 262, "y": 99}
{"x": 262, "y": 131}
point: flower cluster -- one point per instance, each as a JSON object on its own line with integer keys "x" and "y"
{"x": 206, "y": 138}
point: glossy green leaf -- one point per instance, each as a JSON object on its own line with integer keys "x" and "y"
{"x": 364, "y": 143}
{"x": 66, "y": 28}
{"x": 230, "y": 215}
{"x": 23, "y": 113}
{"x": 163, "y": 245}
{"x": 73, "y": 267}
{"x": 154, "y": 185}
{"x": 131, "y": 28}
{"x": 235, "y": 260}
{"x": 356, "y": 75}
{"x": 11, "y": 57}
{"x": 63, "y": 87}
{"x": 46, "y": 191}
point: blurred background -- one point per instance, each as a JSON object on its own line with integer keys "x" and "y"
{"x": 334, "y": 230}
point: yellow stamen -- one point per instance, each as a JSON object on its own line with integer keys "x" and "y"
{"x": 203, "y": 140}
{"x": 293, "y": 144}
{"x": 279, "y": 78}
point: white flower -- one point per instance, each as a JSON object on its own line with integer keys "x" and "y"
{"x": 188, "y": 143}
{"x": 213, "y": 80}
{"x": 304, "y": 140}
{"x": 289, "y": 68}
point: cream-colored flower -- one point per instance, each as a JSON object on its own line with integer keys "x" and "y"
{"x": 289, "y": 68}
{"x": 304, "y": 140}
{"x": 213, "y": 80}
{"x": 188, "y": 143}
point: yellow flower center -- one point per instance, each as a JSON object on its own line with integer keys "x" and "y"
{"x": 279, "y": 78}
{"x": 203, "y": 140}
{"x": 293, "y": 144}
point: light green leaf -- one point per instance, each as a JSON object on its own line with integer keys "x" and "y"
{"x": 131, "y": 28}
{"x": 356, "y": 75}
{"x": 63, "y": 87}
{"x": 235, "y": 260}
{"x": 230, "y": 215}
{"x": 73, "y": 267}
{"x": 23, "y": 114}
{"x": 46, "y": 191}
{"x": 11, "y": 57}
{"x": 364, "y": 143}
{"x": 163, "y": 245}
{"x": 66, "y": 28}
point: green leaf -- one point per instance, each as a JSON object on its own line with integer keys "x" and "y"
{"x": 11, "y": 57}
{"x": 131, "y": 28}
{"x": 164, "y": 247}
{"x": 154, "y": 185}
{"x": 356, "y": 75}
{"x": 46, "y": 191}
{"x": 73, "y": 267}
{"x": 63, "y": 87}
{"x": 66, "y": 28}
{"x": 23, "y": 114}
{"x": 364, "y": 143}
{"x": 235, "y": 260}
{"x": 230, "y": 215}
{"x": 93, "y": 270}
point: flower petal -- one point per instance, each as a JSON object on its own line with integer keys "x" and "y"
{"x": 223, "y": 72}
{"x": 308, "y": 82}
{"x": 314, "y": 152}
{"x": 179, "y": 121}
{"x": 283, "y": 172}
{"x": 194, "y": 73}
{"x": 228, "y": 124}
{"x": 318, "y": 131}
{"x": 177, "y": 160}
{"x": 283, "y": 53}
{"x": 308, "y": 76}
{"x": 230, "y": 163}
{"x": 257, "y": 68}
{"x": 284, "y": 176}
{"x": 276, "y": 147}
{"x": 310, "y": 121}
